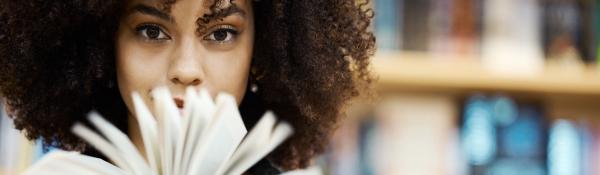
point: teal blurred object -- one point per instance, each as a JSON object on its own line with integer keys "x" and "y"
{"x": 504, "y": 110}
{"x": 388, "y": 24}
{"x": 478, "y": 135}
{"x": 524, "y": 137}
{"x": 564, "y": 149}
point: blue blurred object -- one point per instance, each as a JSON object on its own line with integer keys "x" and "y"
{"x": 564, "y": 149}
{"x": 479, "y": 133}
{"x": 388, "y": 24}
{"x": 523, "y": 138}
{"x": 367, "y": 132}
{"x": 505, "y": 110}
{"x": 516, "y": 166}
{"x": 39, "y": 150}
{"x": 587, "y": 148}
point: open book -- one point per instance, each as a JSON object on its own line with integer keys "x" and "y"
{"x": 206, "y": 138}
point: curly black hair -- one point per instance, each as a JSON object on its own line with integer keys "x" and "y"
{"x": 57, "y": 61}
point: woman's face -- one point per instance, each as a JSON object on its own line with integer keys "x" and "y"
{"x": 171, "y": 48}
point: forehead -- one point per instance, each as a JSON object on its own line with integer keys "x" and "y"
{"x": 204, "y": 4}
{"x": 202, "y": 11}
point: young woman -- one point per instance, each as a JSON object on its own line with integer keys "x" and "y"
{"x": 303, "y": 59}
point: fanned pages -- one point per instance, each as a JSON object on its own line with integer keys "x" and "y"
{"x": 207, "y": 137}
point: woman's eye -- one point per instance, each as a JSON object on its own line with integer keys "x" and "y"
{"x": 152, "y": 32}
{"x": 222, "y": 35}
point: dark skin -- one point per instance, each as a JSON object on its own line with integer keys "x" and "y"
{"x": 61, "y": 59}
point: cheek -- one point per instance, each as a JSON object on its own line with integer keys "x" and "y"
{"x": 138, "y": 70}
{"x": 229, "y": 73}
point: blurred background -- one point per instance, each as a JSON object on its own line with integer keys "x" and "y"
{"x": 481, "y": 87}
{"x": 478, "y": 87}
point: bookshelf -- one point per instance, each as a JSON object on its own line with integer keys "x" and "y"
{"x": 419, "y": 71}
{"x": 439, "y": 83}
{"x": 426, "y": 95}
{"x": 564, "y": 92}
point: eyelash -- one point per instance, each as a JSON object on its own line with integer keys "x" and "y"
{"x": 231, "y": 32}
{"x": 141, "y": 31}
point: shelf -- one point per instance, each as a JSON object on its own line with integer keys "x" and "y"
{"x": 423, "y": 72}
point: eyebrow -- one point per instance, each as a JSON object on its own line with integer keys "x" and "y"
{"x": 220, "y": 13}
{"x": 217, "y": 13}
{"x": 153, "y": 11}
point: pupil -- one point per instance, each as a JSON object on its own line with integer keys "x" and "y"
{"x": 152, "y": 32}
{"x": 220, "y": 35}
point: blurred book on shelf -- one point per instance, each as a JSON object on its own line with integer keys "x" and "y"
{"x": 570, "y": 31}
{"x": 454, "y": 27}
{"x": 480, "y": 134}
{"x": 388, "y": 22}
{"x": 500, "y": 136}
{"x": 560, "y": 30}
{"x": 511, "y": 40}
{"x": 497, "y": 87}
{"x": 510, "y": 36}
{"x": 16, "y": 152}
{"x": 406, "y": 134}
{"x": 415, "y": 24}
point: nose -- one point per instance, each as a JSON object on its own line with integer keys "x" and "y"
{"x": 185, "y": 68}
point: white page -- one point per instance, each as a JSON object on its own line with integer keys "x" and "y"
{"x": 223, "y": 137}
{"x": 59, "y": 167}
{"x": 60, "y": 162}
{"x": 258, "y": 136}
{"x": 314, "y": 170}
{"x": 190, "y": 100}
{"x": 101, "y": 145}
{"x": 281, "y": 132}
{"x": 163, "y": 139}
{"x": 169, "y": 124}
{"x": 148, "y": 129}
{"x": 204, "y": 108}
{"x": 122, "y": 143}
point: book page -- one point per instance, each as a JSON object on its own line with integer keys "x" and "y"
{"x": 201, "y": 114}
{"x": 224, "y": 135}
{"x": 72, "y": 163}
